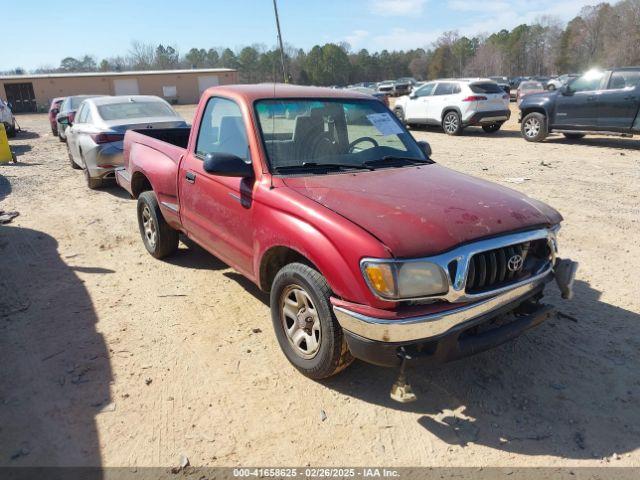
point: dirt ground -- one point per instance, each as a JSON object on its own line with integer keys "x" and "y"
{"x": 109, "y": 357}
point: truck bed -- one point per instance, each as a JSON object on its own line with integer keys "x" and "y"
{"x": 175, "y": 136}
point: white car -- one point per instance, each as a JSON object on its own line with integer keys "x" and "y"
{"x": 6, "y": 117}
{"x": 455, "y": 104}
{"x": 557, "y": 82}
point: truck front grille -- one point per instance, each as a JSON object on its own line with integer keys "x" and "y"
{"x": 498, "y": 268}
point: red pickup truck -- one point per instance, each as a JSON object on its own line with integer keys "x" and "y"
{"x": 368, "y": 248}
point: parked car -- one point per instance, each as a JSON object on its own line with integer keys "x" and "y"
{"x": 94, "y": 141}
{"x": 368, "y": 248}
{"x": 7, "y": 119}
{"x": 527, "y": 88}
{"x": 383, "y": 97}
{"x": 54, "y": 109}
{"x": 503, "y": 83}
{"x": 386, "y": 87}
{"x": 68, "y": 109}
{"x": 602, "y": 102}
{"x": 557, "y": 82}
{"x": 456, "y": 104}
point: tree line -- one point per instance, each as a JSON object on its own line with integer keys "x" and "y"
{"x": 603, "y": 35}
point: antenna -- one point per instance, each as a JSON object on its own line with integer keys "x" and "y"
{"x": 284, "y": 68}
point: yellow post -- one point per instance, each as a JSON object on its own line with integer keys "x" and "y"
{"x": 5, "y": 152}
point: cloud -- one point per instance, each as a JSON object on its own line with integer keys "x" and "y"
{"x": 402, "y": 39}
{"x": 397, "y": 7}
{"x": 357, "y": 38}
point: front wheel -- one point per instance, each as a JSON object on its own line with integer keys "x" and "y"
{"x": 158, "y": 237}
{"x": 534, "y": 127}
{"x": 551, "y": 87}
{"x": 452, "y": 124}
{"x": 305, "y": 326}
{"x": 494, "y": 127}
{"x": 400, "y": 114}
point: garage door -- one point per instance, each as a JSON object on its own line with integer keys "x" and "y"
{"x": 206, "y": 82}
{"x": 21, "y": 97}
{"x": 128, "y": 86}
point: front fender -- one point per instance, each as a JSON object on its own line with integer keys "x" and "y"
{"x": 334, "y": 245}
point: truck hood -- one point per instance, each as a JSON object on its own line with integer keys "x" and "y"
{"x": 420, "y": 211}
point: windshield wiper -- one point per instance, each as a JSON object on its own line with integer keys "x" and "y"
{"x": 394, "y": 159}
{"x": 321, "y": 166}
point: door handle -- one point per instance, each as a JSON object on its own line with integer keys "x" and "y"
{"x": 591, "y": 98}
{"x": 191, "y": 177}
{"x": 630, "y": 97}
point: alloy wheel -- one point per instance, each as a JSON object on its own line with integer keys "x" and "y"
{"x": 149, "y": 227}
{"x": 451, "y": 123}
{"x": 300, "y": 321}
{"x": 532, "y": 127}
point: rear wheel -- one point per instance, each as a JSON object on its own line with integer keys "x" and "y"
{"x": 74, "y": 165}
{"x": 451, "y": 123}
{"x": 92, "y": 183}
{"x": 551, "y": 87}
{"x": 534, "y": 127}
{"x": 158, "y": 237}
{"x": 494, "y": 127}
{"x": 305, "y": 326}
{"x": 400, "y": 114}
{"x": 573, "y": 136}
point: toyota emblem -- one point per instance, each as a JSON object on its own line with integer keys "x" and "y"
{"x": 515, "y": 263}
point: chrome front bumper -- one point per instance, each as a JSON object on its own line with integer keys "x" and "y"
{"x": 438, "y": 324}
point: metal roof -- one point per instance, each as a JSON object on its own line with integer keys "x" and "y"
{"x": 117, "y": 74}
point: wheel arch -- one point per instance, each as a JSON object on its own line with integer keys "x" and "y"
{"x": 450, "y": 108}
{"x": 274, "y": 259}
{"x": 139, "y": 183}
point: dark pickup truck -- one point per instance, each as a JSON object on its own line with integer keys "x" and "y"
{"x": 600, "y": 102}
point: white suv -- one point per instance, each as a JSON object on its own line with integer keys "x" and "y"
{"x": 6, "y": 117}
{"x": 456, "y": 104}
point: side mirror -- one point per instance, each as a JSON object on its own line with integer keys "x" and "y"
{"x": 426, "y": 148}
{"x": 412, "y": 95}
{"x": 63, "y": 120}
{"x": 227, "y": 165}
{"x": 55, "y": 111}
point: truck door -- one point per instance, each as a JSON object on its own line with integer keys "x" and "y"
{"x": 619, "y": 102}
{"x": 418, "y": 104}
{"x": 217, "y": 211}
{"x": 577, "y": 106}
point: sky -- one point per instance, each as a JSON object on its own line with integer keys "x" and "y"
{"x": 41, "y": 32}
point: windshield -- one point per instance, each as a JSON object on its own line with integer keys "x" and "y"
{"x": 121, "y": 111}
{"x": 304, "y": 133}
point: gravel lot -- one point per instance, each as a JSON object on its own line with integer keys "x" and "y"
{"x": 109, "y": 357}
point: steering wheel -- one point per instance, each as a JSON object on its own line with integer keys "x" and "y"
{"x": 353, "y": 144}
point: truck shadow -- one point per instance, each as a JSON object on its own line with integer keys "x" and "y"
{"x": 568, "y": 389}
{"x": 56, "y": 367}
{"x": 602, "y": 142}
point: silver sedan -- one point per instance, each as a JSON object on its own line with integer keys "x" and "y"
{"x": 94, "y": 141}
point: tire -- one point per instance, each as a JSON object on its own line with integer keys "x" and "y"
{"x": 551, "y": 87}
{"x": 534, "y": 127}
{"x": 451, "y": 123}
{"x": 573, "y": 136}
{"x": 301, "y": 286}
{"x": 493, "y": 128}
{"x": 74, "y": 165}
{"x": 92, "y": 183}
{"x": 166, "y": 238}
{"x": 11, "y": 131}
{"x": 400, "y": 114}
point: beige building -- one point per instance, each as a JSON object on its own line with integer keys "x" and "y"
{"x": 31, "y": 93}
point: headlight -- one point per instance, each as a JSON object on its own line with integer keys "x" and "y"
{"x": 399, "y": 280}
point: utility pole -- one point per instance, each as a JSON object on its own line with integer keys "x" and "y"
{"x": 284, "y": 68}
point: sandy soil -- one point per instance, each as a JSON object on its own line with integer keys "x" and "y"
{"x": 109, "y": 357}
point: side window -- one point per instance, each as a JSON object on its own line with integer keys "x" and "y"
{"x": 444, "y": 89}
{"x": 82, "y": 114}
{"x": 588, "y": 82}
{"x": 455, "y": 88}
{"x": 624, "y": 79}
{"x": 426, "y": 90}
{"x": 222, "y": 130}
